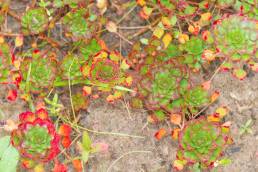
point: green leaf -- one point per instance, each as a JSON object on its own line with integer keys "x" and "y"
{"x": 34, "y": 21}
{"x": 76, "y": 22}
{"x": 85, "y": 156}
{"x": 9, "y": 156}
{"x": 225, "y": 161}
{"x": 86, "y": 141}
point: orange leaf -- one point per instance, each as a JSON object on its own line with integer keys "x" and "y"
{"x": 178, "y": 165}
{"x": 145, "y": 12}
{"x": 102, "y": 45}
{"x": 141, "y": 2}
{"x": 86, "y": 90}
{"x": 65, "y": 130}
{"x": 160, "y": 134}
{"x": 213, "y": 118}
{"x": 110, "y": 98}
{"x": 175, "y": 119}
{"x": 66, "y": 141}
{"x": 77, "y": 164}
{"x": 175, "y": 133}
{"x": 214, "y": 96}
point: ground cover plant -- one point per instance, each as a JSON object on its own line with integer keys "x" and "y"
{"x": 58, "y": 62}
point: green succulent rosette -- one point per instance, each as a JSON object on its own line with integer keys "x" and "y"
{"x": 105, "y": 70}
{"x": 236, "y": 37}
{"x": 193, "y": 50}
{"x": 160, "y": 84}
{"x": 203, "y": 142}
{"x": 39, "y": 71}
{"x": 34, "y": 21}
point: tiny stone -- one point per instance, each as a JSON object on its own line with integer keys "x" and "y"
{"x": 234, "y": 149}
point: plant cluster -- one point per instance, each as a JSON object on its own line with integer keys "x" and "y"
{"x": 60, "y": 49}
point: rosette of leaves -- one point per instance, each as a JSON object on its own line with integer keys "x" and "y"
{"x": 34, "y": 21}
{"x": 106, "y": 70}
{"x": 196, "y": 97}
{"x": 76, "y": 23}
{"x": 38, "y": 73}
{"x": 202, "y": 142}
{"x": 236, "y": 37}
{"x": 160, "y": 84}
{"x": 36, "y": 138}
{"x": 5, "y": 62}
{"x": 193, "y": 52}
{"x": 70, "y": 66}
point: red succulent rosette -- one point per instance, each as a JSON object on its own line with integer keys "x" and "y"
{"x": 36, "y": 137}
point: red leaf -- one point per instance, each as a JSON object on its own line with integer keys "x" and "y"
{"x": 12, "y": 95}
{"x": 59, "y": 167}
{"x": 27, "y": 117}
{"x": 66, "y": 142}
{"x": 160, "y": 134}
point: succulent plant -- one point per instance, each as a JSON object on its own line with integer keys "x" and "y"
{"x": 236, "y": 37}
{"x": 76, "y": 22}
{"x": 202, "y": 142}
{"x": 194, "y": 49}
{"x": 39, "y": 70}
{"x": 34, "y": 21}
{"x": 71, "y": 64}
{"x": 160, "y": 84}
{"x": 106, "y": 70}
{"x": 196, "y": 97}
{"x": 36, "y": 138}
